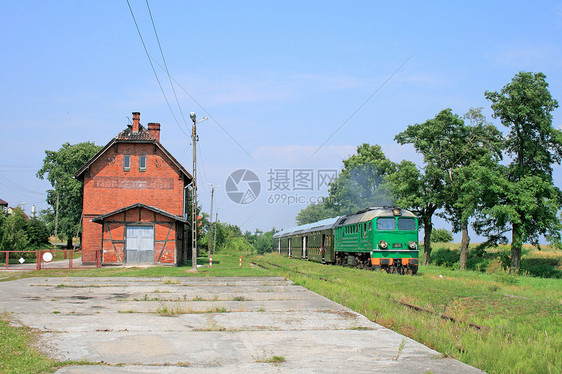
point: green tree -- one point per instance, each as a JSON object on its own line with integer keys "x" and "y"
{"x": 13, "y": 236}
{"x": 421, "y": 192}
{"x": 264, "y": 243}
{"x": 315, "y": 212}
{"x": 441, "y": 236}
{"x": 454, "y": 151}
{"x": 37, "y": 232}
{"x": 522, "y": 197}
{"x": 358, "y": 185}
{"x": 59, "y": 168}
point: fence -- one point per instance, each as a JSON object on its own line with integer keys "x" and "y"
{"x": 44, "y": 259}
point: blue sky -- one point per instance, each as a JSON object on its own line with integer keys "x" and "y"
{"x": 276, "y": 78}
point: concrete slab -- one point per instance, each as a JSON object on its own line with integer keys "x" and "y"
{"x": 208, "y": 325}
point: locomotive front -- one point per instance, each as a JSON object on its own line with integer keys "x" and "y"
{"x": 395, "y": 241}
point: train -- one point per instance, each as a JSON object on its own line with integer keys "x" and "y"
{"x": 384, "y": 238}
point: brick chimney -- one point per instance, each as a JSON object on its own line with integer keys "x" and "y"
{"x": 154, "y": 130}
{"x": 136, "y": 121}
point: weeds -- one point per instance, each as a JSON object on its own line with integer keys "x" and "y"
{"x": 176, "y": 310}
{"x": 400, "y": 349}
{"x": 271, "y": 359}
{"x": 275, "y": 360}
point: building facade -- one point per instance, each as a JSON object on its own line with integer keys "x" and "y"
{"x": 134, "y": 195}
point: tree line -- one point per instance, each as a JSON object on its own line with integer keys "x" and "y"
{"x": 226, "y": 238}
{"x": 472, "y": 173}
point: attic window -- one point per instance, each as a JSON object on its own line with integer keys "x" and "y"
{"x": 142, "y": 163}
{"x": 126, "y": 162}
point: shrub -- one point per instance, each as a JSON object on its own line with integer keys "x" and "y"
{"x": 264, "y": 243}
{"x": 13, "y": 235}
{"x": 479, "y": 263}
{"x": 37, "y": 232}
{"x": 445, "y": 257}
{"x": 441, "y": 236}
{"x": 495, "y": 266}
{"x": 238, "y": 245}
{"x": 541, "y": 267}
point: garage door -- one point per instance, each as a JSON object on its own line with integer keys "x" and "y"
{"x": 140, "y": 245}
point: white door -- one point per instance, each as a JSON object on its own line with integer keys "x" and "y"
{"x": 140, "y": 245}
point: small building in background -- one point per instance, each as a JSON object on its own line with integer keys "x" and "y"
{"x": 3, "y": 205}
{"x": 134, "y": 196}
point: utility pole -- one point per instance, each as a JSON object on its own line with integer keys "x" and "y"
{"x": 212, "y": 196}
{"x": 215, "y": 239}
{"x": 194, "y": 195}
{"x": 194, "y": 190}
{"x": 57, "y": 217}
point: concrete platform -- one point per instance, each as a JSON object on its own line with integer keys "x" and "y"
{"x": 208, "y": 325}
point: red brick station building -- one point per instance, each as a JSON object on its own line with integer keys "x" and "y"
{"x": 134, "y": 194}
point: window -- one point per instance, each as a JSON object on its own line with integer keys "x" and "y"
{"x": 406, "y": 224}
{"x": 386, "y": 224}
{"x": 142, "y": 162}
{"x": 126, "y": 162}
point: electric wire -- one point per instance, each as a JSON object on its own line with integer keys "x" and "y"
{"x": 7, "y": 182}
{"x": 202, "y": 164}
{"x": 360, "y": 106}
{"x": 165, "y": 64}
{"x": 207, "y": 113}
{"x": 153, "y": 69}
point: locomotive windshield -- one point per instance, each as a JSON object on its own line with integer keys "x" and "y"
{"x": 406, "y": 224}
{"x": 386, "y": 223}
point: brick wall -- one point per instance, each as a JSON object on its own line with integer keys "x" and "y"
{"x": 108, "y": 187}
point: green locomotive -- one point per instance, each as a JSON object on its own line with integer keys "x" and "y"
{"x": 375, "y": 238}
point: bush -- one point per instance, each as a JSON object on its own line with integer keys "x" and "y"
{"x": 264, "y": 243}
{"x": 541, "y": 267}
{"x": 478, "y": 263}
{"x": 238, "y": 245}
{"x": 37, "y": 232}
{"x": 441, "y": 236}
{"x": 13, "y": 236}
{"x": 445, "y": 257}
{"x": 495, "y": 266}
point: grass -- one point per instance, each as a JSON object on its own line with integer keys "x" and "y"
{"x": 518, "y": 319}
{"x": 275, "y": 360}
{"x": 17, "y": 354}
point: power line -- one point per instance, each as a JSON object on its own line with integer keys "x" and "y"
{"x": 207, "y": 113}
{"x": 361, "y": 106}
{"x": 5, "y": 181}
{"x": 154, "y": 70}
{"x": 165, "y": 64}
{"x": 203, "y": 166}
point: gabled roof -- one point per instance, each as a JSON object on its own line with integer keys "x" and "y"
{"x": 99, "y": 219}
{"x": 128, "y": 136}
{"x": 2, "y": 202}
